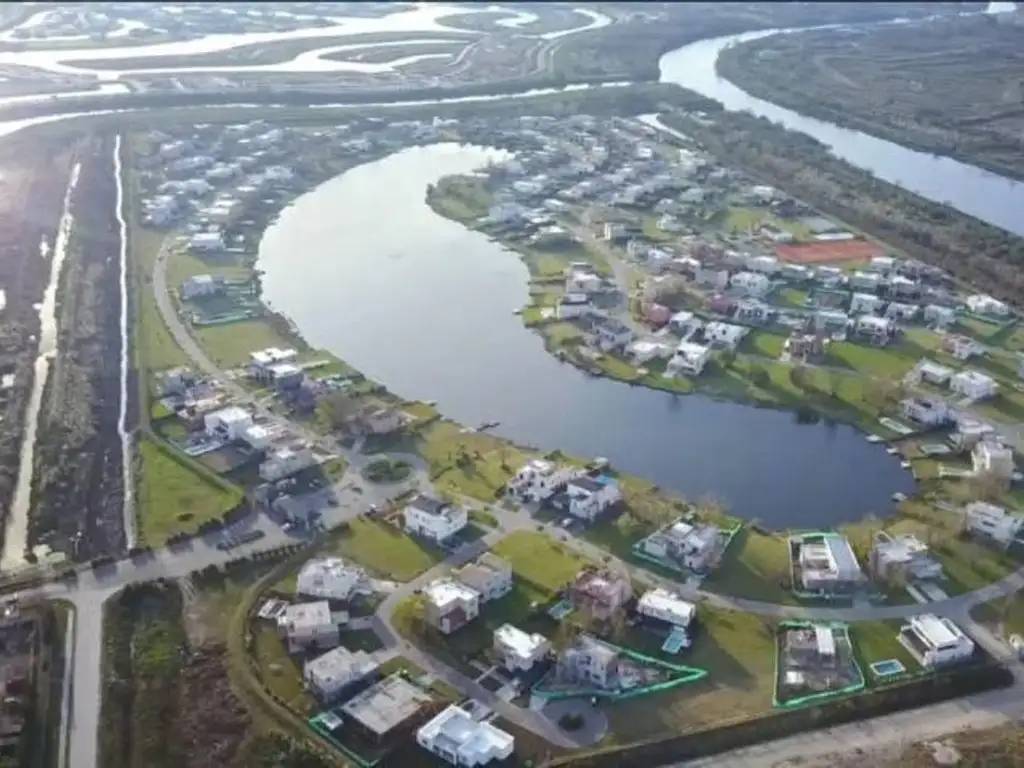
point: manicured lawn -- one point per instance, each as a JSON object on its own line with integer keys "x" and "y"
{"x": 764, "y": 343}
{"x": 1004, "y": 613}
{"x": 155, "y": 348}
{"x": 619, "y": 535}
{"x": 889, "y": 362}
{"x": 386, "y": 551}
{"x": 737, "y": 650}
{"x": 181, "y": 265}
{"x": 755, "y": 566}
{"x": 229, "y": 345}
{"x": 544, "y": 564}
{"x": 791, "y": 297}
{"x": 560, "y": 333}
{"x": 174, "y": 498}
{"x": 877, "y": 641}
{"x": 970, "y": 565}
{"x": 466, "y": 463}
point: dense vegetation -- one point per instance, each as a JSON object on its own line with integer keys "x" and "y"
{"x": 950, "y": 86}
{"x": 986, "y": 256}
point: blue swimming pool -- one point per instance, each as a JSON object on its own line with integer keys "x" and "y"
{"x": 888, "y": 668}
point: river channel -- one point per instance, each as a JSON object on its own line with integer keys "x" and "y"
{"x": 368, "y": 271}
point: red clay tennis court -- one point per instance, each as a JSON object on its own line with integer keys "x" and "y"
{"x": 829, "y": 251}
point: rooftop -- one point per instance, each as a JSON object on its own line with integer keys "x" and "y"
{"x": 456, "y": 731}
{"x": 306, "y": 615}
{"x": 386, "y": 705}
{"x": 445, "y": 592}
{"x": 340, "y": 664}
{"x": 518, "y": 642}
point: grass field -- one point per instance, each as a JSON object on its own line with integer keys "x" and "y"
{"x": 545, "y": 564}
{"x": 1004, "y": 613}
{"x": 387, "y": 552}
{"x": 155, "y": 348}
{"x": 877, "y": 641}
{"x": 755, "y": 566}
{"x": 181, "y": 265}
{"x": 174, "y": 498}
{"x": 229, "y": 345}
{"x": 281, "y": 675}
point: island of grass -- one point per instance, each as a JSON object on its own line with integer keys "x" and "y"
{"x": 387, "y": 470}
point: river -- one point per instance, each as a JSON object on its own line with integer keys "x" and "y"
{"x": 425, "y": 306}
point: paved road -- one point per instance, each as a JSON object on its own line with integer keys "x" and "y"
{"x": 90, "y": 591}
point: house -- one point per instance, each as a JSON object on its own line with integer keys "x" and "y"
{"x": 993, "y": 459}
{"x": 286, "y": 461}
{"x": 262, "y": 361}
{"x": 433, "y": 518}
{"x": 327, "y": 676}
{"x": 656, "y": 314}
{"x": 926, "y": 411}
{"x": 882, "y": 264}
{"x": 201, "y": 286}
{"x": 489, "y": 575}
{"x": 450, "y": 605}
{"x": 898, "y": 311}
{"x": 712, "y": 278}
{"x": 992, "y": 522}
{"x": 602, "y": 593}
{"x": 642, "y": 351}
{"x": 308, "y": 625}
{"x": 610, "y": 334}
{"x": 981, "y": 304}
{"x": 763, "y": 265}
{"x": 689, "y": 359}
{"x": 590, "y": 496}
{"x": 207, "y": 241}
{"x": 864, "y": 304}
{"x": 684, "y": 324}
{"x": 177, "y": 381}
{"x": 828, "y": 565}
{"x": 666, "y": 608}
{"x": 386, "y": 707}
{"x": 969, "y": 433}
{"x": 935, "y": 641}
{"x": 285, "y": 376}
{"x": 903, "y": 287}
{"x": 831, "y": 321}
{"x": 939, "y": 315}
{"x": 867, "y": 282}
{"x": 962, "y": 347}
{"x": 803, "y": 346}
{"x": 459, "y": 739}
{"x": 573, "y": 305}
{"x": 379, "y": 420}
{"x": 589, "y": 662}
{"x": 931, "y": 372}
{"x": 581, "y": 278}
{"x": 721, "y": 304}
{"x": 750, "y": 284}
{"x": 538, "y": 480}
{"x": 753, "y": 312}
{"x": 724, "y": 335}
{"x": 877, "y": 330}
{"x": 519, "y": 651}
{"x": 904, "y": 554}
{"x": 227, "y": 423}
{"x": 329, "y": 578}
{"x": 973, "y": 385}
{"x": 689, "y": 546}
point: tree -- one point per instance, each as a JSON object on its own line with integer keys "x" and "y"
{"x": 337, "y": 408}
{"x": 800, "y": 377}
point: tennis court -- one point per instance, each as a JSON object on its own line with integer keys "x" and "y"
{"x": 828, "y": 251}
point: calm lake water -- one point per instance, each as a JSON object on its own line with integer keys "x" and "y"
{"x": 425, "y": 306}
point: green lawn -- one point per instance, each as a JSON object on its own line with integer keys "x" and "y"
{"x": 755, "y": 566}
{"x": 386, "y": 551}
{"x": 155, "y": 348}
{"x": 464, "y": 463}
{"x": 791, "y": 297}
{"x": 877, "y": 641}
{"x": 890, "y": 362}
{"x": 181, "y": 265}
{"x": 536, "y": 559}
{"x": 764, "y": 343}
{"x": 229, "y": 345}
{"x": 281, "y": 675}
{"x": 1006, "y": 614}
{"x": 175, "y": 498}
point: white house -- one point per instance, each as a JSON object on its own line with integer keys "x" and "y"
{"x": 489, "y": 575}
{"x": 962, "y": 347}
{"x": 973, "y": 385}
{"x": 764, "y": 265}
{"x": 984, "y": 519}
{"x": 198, "y": 286}
{"x": 725, "y": 335}
{"x": 865, "y": 281}
{"x": 328, "y": 675}
{"x": 612, "y": 334}
{"x": 589, "y": 497}
{"x": 643, "y": 351}
{"x": 227, "y": 423}
{"x": 684, "y": 324}
{"x": 207, "y": 241}
{"x": 261, "y": 361}
{"x": 538, "y": 480}
{"x": 990, "y": 457}
{"x": 573, "y": 305}
{"x": 926, "y": 411}
{"x": 286, "y": 461}
{"x": 864, "y": 304}
{"x": 939, "y": 315}
{"x": 932, "y": 373}
{"x": 690, "y": 546}
{"x": 450, "y": 604}
{"x": 898, "y": 311}
{"x": 829, "y": 565}
{"x": 935, "y": 641}
{"x": 308, "y": 625}
{"x": 667, "y": 607}
{"x": 750, "y": 283}
{"x": 329, "y": 578}
{"x": 980, "y": 304}
{"x": 434, "y": 518}
{"x": 709, "y": 277}
{"x": 882, "y": 264}
{"x": 876, "y": 329}
{"x": 970, "y": 432}
{"x": 519, "y": 650}
{"x": 904, "y": 554}
{"x": 689, "y": 359}
{"x": 458, "y": 739}
{"x": 583, "y": 281}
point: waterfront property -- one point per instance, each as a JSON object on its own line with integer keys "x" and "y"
{"x": 935, "y": 641}
{"x": 450, "y": 605}
{"x": 901, "y": 558}
{"x": 815, "y": 661}
{"x": 824, "y": 565}
{"x": 519, "y": 651}
{"x": 309, "y": 626}
{"x": 992, "y": 523}
{"x": 685, "y": 545}
{"x": 435, "y": 519}
{"x": 489, "y": 575}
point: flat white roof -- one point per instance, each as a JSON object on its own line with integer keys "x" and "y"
{"x": 936, "y": 632}
{"x": 306, "y": 614}
{"x": 231, "y": 415}
{"x": 340, "y": 664}
{"x": 519, "y": 642}
{"x": 661, "y": 601}
{"x": 459, "y": 732}
{"x": 446, "y": 591}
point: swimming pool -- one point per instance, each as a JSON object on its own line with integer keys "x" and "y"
{"x": 888, "y": 668}
{"x": 676, "y": 641}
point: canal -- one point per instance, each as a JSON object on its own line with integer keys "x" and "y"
{"x": 368, "y": 271}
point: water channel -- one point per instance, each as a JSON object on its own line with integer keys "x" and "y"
{"x": 425, "y": 306}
